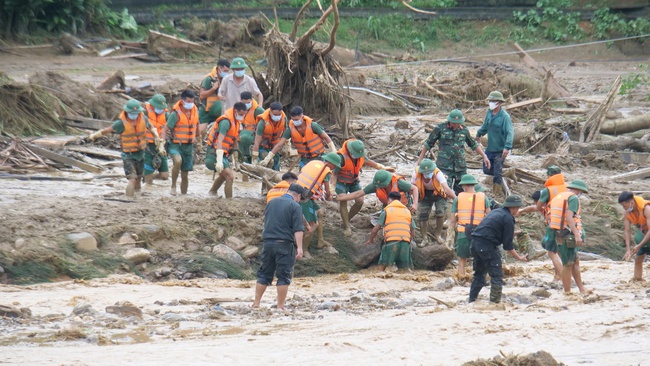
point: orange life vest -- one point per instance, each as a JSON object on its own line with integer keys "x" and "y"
{"x": 637, "y": 217}
{"x": 349, "y": 173}
{"x": 214, "y": 97}
{"x": 157, "y": 120}
{"x": 249, "y": 123}
{"x": 382, "y": 193}
{"x": 398, "y": 222}
{"x": 230, "y": 137}
{"x": 559, "y": 205}
{"x": 134, "y": 135}
{"x": 437, "y": 187}
{"x": 272, "y": 130}
{"x": 465, "y": 203}
{"x": 310, "y": 145}
{"x": 314, "y": 171}
{"x": 277, "y": 190}
{"x": 555, "y": 185}
{"x": 185, "y": 130}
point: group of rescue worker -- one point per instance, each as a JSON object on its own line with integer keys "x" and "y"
{"x": 237, "y": 128}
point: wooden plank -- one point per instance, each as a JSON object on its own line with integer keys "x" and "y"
{"x": 88, "y": 123}
{"x": 637, "y": 174}
{"x": 175, "y": 39}
{"x": 130, "y": 55}
{"x": 64, "y": 159}
{"x": 96, "y": 151}
{"x": 54, "y": 141}
{"x": 523, "y": 103}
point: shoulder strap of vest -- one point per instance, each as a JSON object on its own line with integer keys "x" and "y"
{"x": 471, "y": 216}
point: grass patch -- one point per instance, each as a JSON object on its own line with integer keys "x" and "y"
{"x": 326, "y": 264}
{"x": 198, "y": 263}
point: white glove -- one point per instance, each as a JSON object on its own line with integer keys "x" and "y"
{"x": 235, "y": 160}
{"x": 161, "y": 149}
{"x": 293, "y": 152}
{"x": 219, "y": 165}
{"x": 267, "y": 159}
{"x": 332, "y": 146}
{"x": 95, "y": 135}
{"x": 255, "y": 157}
{"x": 381, "y": 166}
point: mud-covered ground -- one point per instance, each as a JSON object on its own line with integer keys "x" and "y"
{"x": 354, "y": 317}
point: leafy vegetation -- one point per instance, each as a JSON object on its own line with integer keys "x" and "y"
{"x": 382, "y": 3}
{"x": 636, "y": 79}
{"x": 607, "y": 24}
{"x": 551, "y": 20}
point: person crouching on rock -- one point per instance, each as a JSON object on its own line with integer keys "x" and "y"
{"x": 399, "y": 228}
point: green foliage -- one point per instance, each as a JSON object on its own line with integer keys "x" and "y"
{"x": 381, "y": 3}
{"x": 549, "y": 20}
{"x": 635, "y": 79}
{"x": 607, "y": 24}
{"x": 56, "y": 16}
{"x": 204, "y": 265}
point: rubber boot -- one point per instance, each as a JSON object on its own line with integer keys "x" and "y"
{"x": 495, "y": 293}
{"x": 216, "y": 185}
{"x": 345, "y": 216}
{"x": 321, "y": 240}
{"x": 533, "y": 248}
{"x": 354, "y": 210}
{"x": 497, "y": 190}
{"x": 437, "y": 233}
{"x": 176, "y": 169}
{"x": 228, "y": 189}
{"x": 424, "y": 230}
{"x": 148, "y": 179}
{"x": 305, "y": 244}
{"x": 130, "y": 189}
{"x": 184, "y": 182}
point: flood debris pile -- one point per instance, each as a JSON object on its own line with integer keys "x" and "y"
{"x": 234, "y": 33}
{"x": 539, "y": 358}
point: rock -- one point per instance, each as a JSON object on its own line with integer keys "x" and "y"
{"x": 329, "y": 305}
{"x": 432, "y": 257}
{"x": 126, "y": 309}
{"x": 402, "y": 124}
{"x": 219, "y": 233}
{"x": 447, "y": 284}
{"x": 165, "y": 271}
{"x": 83, "y": 309}
{"x": 543, "y": 293}
{"x": 227, "y": 254}
{"x": 173, "y": 317}
{"x": 19, "y": 243}
{"x": 192, "y": 245}
{"x": 127, "y": 240}
{"x": 518, "y": 299}
{"x": 206, "y": 248}
{"x": 250, "y": 251}
{"x": 137, "y": 255}
{"x": 329, "y": 250}
{"x": 2, "y": 270}
{"x": 360, "y": 297}
{"x": 83, "y": 242}
{"x": 235, "y": 243}
{"x": 14, "y": 312}
{"x": 153, "y": 231}
{"x": 584, "y": 256}
{"x": 364, "y": 255}
{"x": 215, "y": 273}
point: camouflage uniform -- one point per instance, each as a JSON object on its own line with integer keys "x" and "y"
{"x": 451, "y": 151}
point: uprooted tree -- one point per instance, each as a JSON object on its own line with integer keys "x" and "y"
{"x": 302, "y": 73}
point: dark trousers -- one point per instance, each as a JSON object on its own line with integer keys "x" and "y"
{"x": 487, "y": 260}
{"x": 496, "y": 165}
{"x": 453, "y": 178}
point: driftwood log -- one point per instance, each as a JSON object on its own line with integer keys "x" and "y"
{"x": 615, "y": 144}
{"x": 626, "y": 125}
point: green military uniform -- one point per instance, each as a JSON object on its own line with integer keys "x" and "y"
{"x": 246, "y": 139}
{"x": 568, "y": 255}
{"x": 215, "y": 110}
{"x": 548, "y": 242}
{"x": 462, "y": 242}
{"x": 211, "y": 153}
{"x": 398, "y": 252}
{"x": 451, "y": 151}
{"x": 264, "y": 152}
{"x": 310, "y": 206}
{"x": 133, "y": 161}
{"x": 186, "y": 151}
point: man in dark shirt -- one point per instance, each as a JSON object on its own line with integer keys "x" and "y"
{"x": 497, "y": 228}
{"x": 282, "y": 237}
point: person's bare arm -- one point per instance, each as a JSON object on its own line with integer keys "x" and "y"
{"x": 256, "y": 143}
{"x": 517, "y": 256}
{"x": 479, "y": 151}
{"x": 416, "y": 196}
{"x": 373, "y": 234}
{"x": 423, "y": 153}
{"x": 298, "y": 236}
{"x": 574, "y": 229}
{"x": 627, "y": 235}
{"x": 350, "y": 196}
{"x": 448, "y": 191}
{"x": 205, "y": 93}
{"x": 278, "y": 146}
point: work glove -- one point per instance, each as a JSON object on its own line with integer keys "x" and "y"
{"x": 219, "y": 165}
{"x": 267, "y": 159}
{"x": 235, "y": 160}
{"x": 255, "y": 157}
{"x": 199, "y": 145}
{"x": 161, "y": 149}
{"x": 386, "y": 168}
{"x": 332, "y": 146}
{"x": 95, "y": 135}
{"x": 293, "y": 152}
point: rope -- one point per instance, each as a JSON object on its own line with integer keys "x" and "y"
{"x": 502, "y": 53}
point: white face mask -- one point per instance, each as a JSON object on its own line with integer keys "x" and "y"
{"x": 493, "y": 105}
{"x": 133, "y": 115}
{"x": 239, "y": 118}
{"x": 249, "y": 105}
{"x": 297, "y": 123}
{"x": 223, "y": 74}
{"x": 188, "y": 105}
{"x": 275, "y": 118}
{"x": 630, "y": 209}
{"x": 239, "y": 73}
{"x": 428, "y": 175}
{"x": 158, "y": 110}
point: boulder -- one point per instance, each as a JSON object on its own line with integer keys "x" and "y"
{"x": 19, "y": 243}
{"x": 137, "y": 255}
{"x": 227, "y": 254}
{"x": 83, "y": 309}
{"x": 235, "y": 243}
{"x": 153, "y": 232}
{"x": 364, "y": 255}
{"x": 192, "y": 245}
{"x": 251, "y": 251}
{"x": 125, "y": 309}
{"x": 433, "y": 257}
{"x": 14, "y": 312}
{"x": 127, "y": 239}
{"x": 83, "y": 242}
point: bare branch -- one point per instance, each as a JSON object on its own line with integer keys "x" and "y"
{"x": 404, "y": 2}
{"x": 315, "y": 27}
{"x": 333, "y": 32}
{"x": 294, "y": 30}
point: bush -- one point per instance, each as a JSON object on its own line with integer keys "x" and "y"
{"x": 550, "y": 21}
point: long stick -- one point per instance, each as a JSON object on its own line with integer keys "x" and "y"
{"x": 442, "y": 302}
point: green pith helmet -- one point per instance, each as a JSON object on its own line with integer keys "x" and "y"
{"x": 579, "y": 184}
{"x": 456, "y": 116}
{"x": 426, "y": 166}
{"x": 333, "y": 158}
{"x": 553, "y": 170}
{"x": 246, "y": 137}
{"x": 382, "y": 178}
{"x": 496, "y": 95}
{"x": 356, "y": 149}
{"x": 238, "y": 63}
{"x": 158, "y": 101}
{"x": 467, "y": 179}
{"x": 513, "y": 201}
{"x": 479, "y": 188}
{"x": 133, "y": 106}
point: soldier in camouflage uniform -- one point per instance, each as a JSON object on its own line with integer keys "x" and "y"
{"x": 453, "y": 136}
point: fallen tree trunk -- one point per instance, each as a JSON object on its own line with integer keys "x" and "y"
{"x": 626, "y": 125}
{"x": 615, "y": 144}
